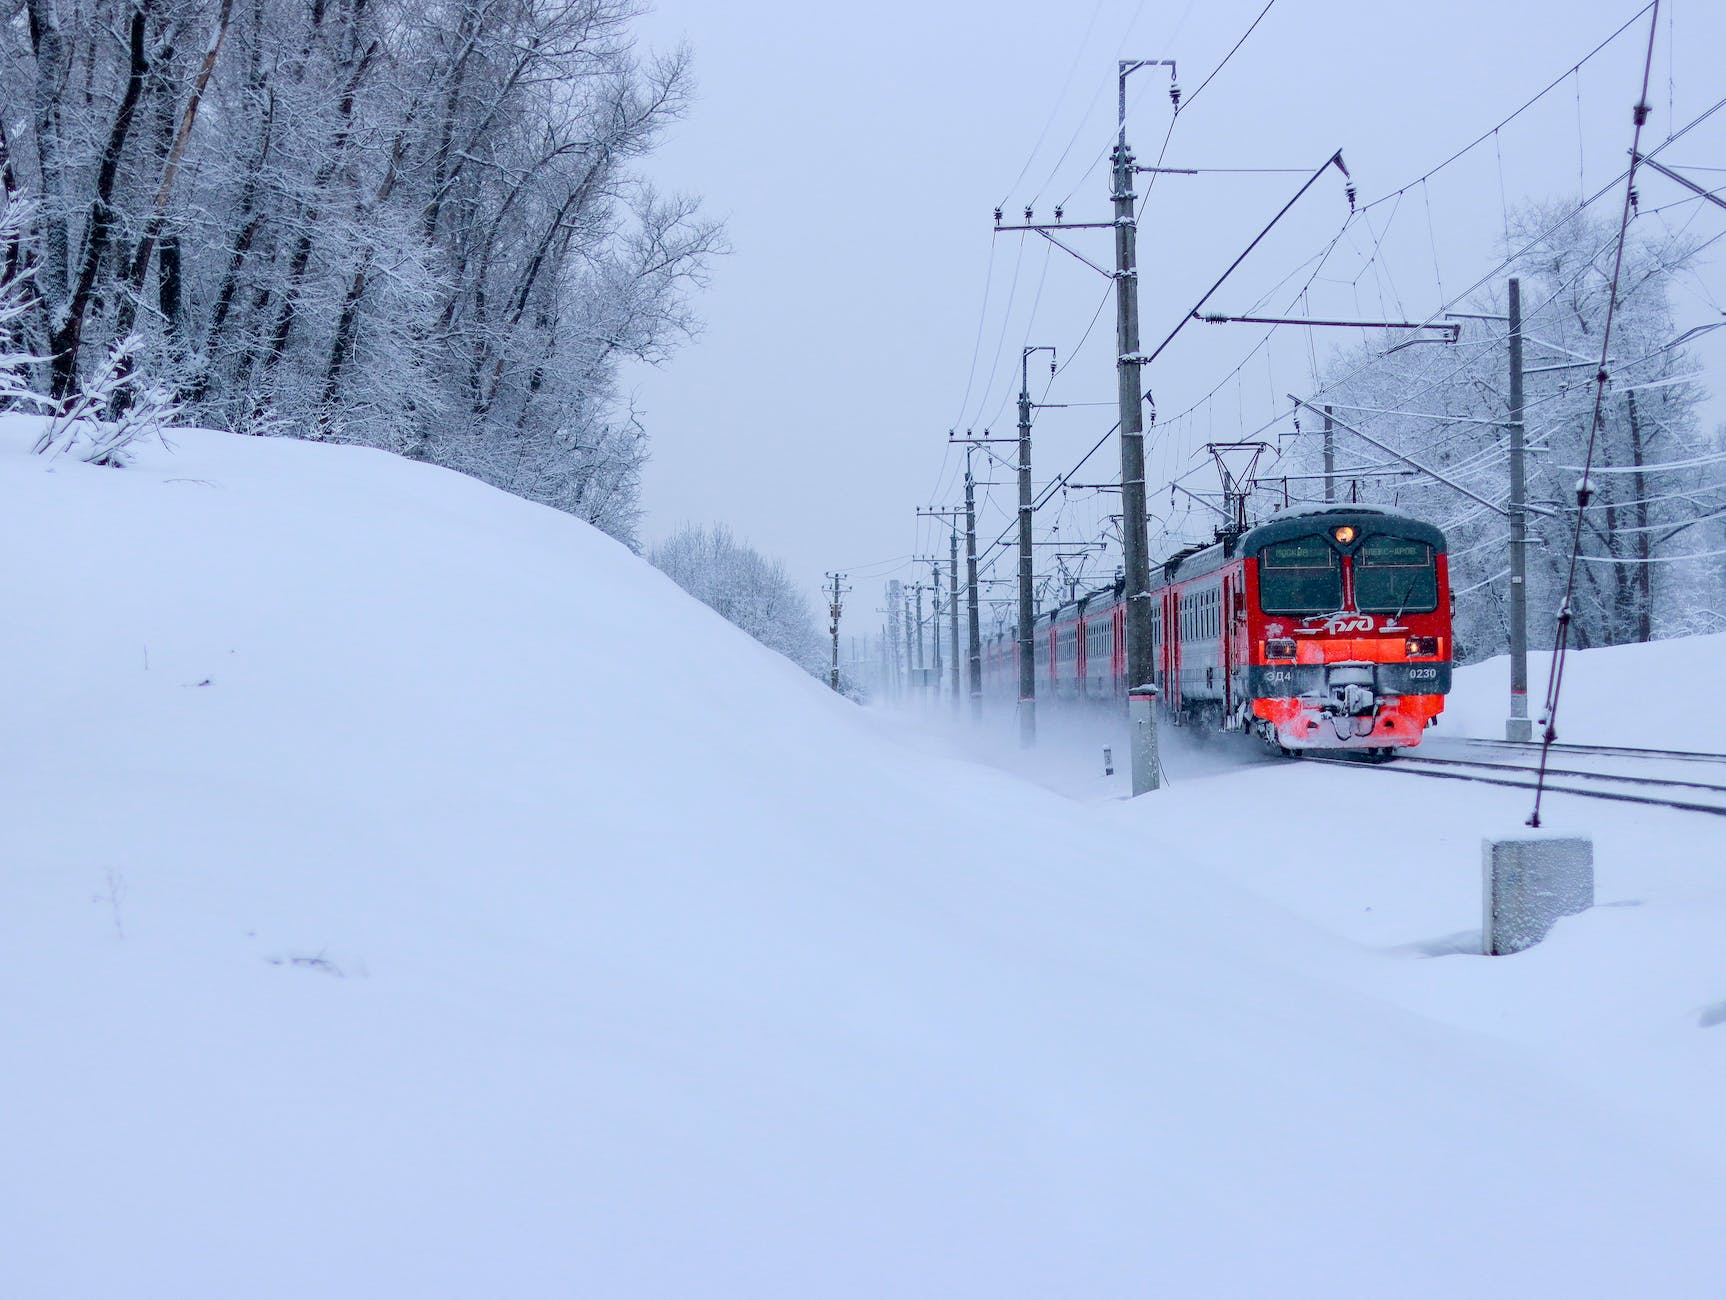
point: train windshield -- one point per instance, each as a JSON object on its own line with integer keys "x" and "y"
{"x": 1394, "y": 576}
{"x": 1302, "y": 576}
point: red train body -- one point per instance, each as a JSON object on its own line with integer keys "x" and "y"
{"x": 1324, "y": 629}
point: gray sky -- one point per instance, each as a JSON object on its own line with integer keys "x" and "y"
{"x": 857, "y": 153}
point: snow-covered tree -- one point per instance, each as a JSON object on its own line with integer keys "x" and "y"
{"x": 415, "y": 224}
{"x": 745, "y": 587}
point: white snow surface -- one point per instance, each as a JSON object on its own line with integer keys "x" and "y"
{"x": 1656, "y": 696}
{"x": 407, "y": 892}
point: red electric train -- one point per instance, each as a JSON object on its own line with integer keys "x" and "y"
{"x": 1321, "y": 629}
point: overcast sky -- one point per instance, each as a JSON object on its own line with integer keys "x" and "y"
{"x": 856, "y": 154}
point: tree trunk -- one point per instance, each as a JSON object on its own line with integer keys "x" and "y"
{"x": 173, "y": 149}
{"x": 65, "y": 338}
{"x": 288, "y": 312}
{"x": 49, "y": 49}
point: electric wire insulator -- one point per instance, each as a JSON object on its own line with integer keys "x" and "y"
{"x": 1352, "y": 195}
{"x": 1175, "y": 93}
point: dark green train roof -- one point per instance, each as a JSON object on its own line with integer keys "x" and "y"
{"x": 1196, "y": 561}
{"x": 1366, "y": 521}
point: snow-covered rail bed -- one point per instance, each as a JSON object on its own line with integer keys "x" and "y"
{"x": 1641, "y": 786}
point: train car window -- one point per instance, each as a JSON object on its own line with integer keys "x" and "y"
{"x": 1393, "y": 575}
{"x": 1301, "y": 576}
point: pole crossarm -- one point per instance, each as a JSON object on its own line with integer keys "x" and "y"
{"x": 1420, "y": 415}
{"x": 1041, "y": 226}
{"x": 1451, "y": 328}
{"x": 1270, "y": 480}
{"x": 1642, "y": 160}
{"x": 1209, "y": 505}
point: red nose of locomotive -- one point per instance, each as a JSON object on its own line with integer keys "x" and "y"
{"x": 1353, "y": 644}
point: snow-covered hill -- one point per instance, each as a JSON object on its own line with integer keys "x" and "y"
{"x": 409, "y": 893}
{"x": 1658, "y": 695}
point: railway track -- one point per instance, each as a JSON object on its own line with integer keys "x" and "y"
{"x": 1618, "y": 787}
{"x": 1606, "y": 751}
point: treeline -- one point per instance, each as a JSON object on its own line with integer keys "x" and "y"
{"x": 745, "y": 587}
{"x": 1654, "y": 524}
{"x": 414, "y": 224}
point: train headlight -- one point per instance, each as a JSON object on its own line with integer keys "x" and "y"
{"x": 1422, "y": 645}
{"x": 1345, "y": 534}
{"x": 1279, "y": 649}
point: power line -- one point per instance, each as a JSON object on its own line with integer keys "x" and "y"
{"x": 1519, "y": 111}
{"x": 1555, "y": 679}
{"x": 1231, "y": 54}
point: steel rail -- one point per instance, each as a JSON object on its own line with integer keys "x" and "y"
{"x": 1616, "y": 796}
{"x": 1609, "y": 751}
{"x": 1557, "y": 771}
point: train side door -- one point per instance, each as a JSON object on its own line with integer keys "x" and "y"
{"x": 1118, "y": 668}
{"x": 1227, "y": 640}
{"x": 1172, "y": 664}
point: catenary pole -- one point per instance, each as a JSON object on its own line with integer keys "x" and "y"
{"x": 974, "y": 640}
{"x": 1644, "y": 541}
{"x": 1027, "y": 612}
{"x": 935, "y": 626}
{"x": 1517, "y": 726}
{"x": 910, "y": 638}
{"x": 953, "y": 607}
{"x": 1329, "y": 456}
{"x": 895, "y": 629}
{"x": 1141, "y": 688}
{"x": 921, "y": 679}
{"x": 833, "y": 611}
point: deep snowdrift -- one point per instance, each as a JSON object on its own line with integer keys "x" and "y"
{"x": 1655, "y": 695}
{"x": 407, "y": 892}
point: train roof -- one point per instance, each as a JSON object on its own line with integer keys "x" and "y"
{"x": 1367, "y": 519}
{"x": 1198, "y": 560}
{"x": 1069, "y": 609}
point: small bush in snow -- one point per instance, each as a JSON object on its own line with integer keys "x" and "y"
{"x": 79, "y": 429}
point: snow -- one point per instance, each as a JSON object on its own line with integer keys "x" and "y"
{"x": 1652, "y": 695}
{"x": 408, "y": 892}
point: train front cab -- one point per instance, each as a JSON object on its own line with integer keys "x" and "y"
{"x": 1349, "y": 632}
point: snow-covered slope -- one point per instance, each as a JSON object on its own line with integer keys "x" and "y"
{"x": 407, "y": 892}
{"x": 1658, "y": 695}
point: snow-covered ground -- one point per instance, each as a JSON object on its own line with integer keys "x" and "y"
{"x": 1654, "y": 695}
{"x": 407, "y": 892}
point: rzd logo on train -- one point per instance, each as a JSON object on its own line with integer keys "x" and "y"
{"x": 1338, "y": 623}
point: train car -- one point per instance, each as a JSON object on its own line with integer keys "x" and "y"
{"x": 1322, "y": 629}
